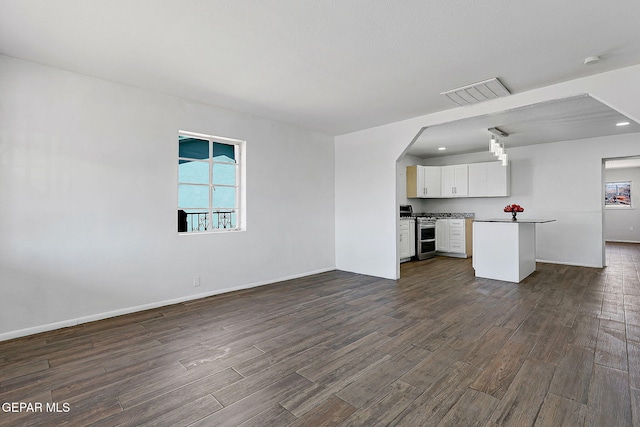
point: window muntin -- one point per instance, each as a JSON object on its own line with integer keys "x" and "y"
{"x": 208, "y": 183}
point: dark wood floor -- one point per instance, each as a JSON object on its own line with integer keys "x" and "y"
{"x": 438, "y": 347}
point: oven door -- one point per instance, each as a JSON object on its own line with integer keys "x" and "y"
{"x": 426, "y": 247}
{"x": 426, "y": 232}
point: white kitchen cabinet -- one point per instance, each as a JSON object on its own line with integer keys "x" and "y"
{"x": 432, "y": 181}
{"x": 477, "y": 179}
{"x": 488, "y": 179}
{"x": 497, "y": 179}
{"x": 442, "y": 235}
{"x": 423, "y": 181}
{"x": 412, "y": 237}
{"x": 457, "y": 236}
{"x": 407, "y": 239}
{"x": 455, "y": 180}
{"x": 453, "y": 237}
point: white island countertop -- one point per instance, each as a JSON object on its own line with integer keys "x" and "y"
{"x": 509, "y": 220}
{"x": 505, "y": 249}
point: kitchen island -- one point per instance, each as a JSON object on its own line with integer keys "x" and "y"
{"x": 504, "y": 249}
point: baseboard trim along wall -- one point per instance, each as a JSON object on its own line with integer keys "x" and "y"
{"x": 573, "y": 264}
{"x": 100, "y": 316}
{"x": 623, "y": 241}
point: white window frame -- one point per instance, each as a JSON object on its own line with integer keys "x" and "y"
{"x": 240, "y": 208}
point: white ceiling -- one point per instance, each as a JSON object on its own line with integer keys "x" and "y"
{"x": 334, "y": 66}
{"x": 568, "y": 119}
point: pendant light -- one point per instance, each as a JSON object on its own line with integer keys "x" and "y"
{"x": 493, "y": 143}
{"x": 496, "y": 147}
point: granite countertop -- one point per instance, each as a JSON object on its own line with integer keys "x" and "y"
{"x": 522, "y": 221}
{"x": 445, "y": 215}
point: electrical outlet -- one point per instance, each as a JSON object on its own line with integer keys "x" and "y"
{"x": 196, "y": 281}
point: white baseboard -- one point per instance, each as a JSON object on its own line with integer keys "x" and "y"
{"x": 100, "y": 316}
{"x": 573, "y": 264}
{"x": 452, "y": 254}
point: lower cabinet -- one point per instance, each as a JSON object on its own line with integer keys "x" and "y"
{"x": 442, "y": 235}
{"x": 453, "y": 237}
{"x": 407, "y": 239}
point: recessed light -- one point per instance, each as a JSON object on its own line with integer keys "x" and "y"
{"x": 623, "y": 124}
{"x": 442, "y": 148}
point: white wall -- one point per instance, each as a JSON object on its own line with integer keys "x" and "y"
{"x": 618, "y": 222}
{"x": 370, "y": 247}
{"x": 560, "y": 181}
{"x": 88, "y": 174}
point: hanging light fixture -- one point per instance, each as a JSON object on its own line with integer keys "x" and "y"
{"x": 496, "y": 147}
{"x": 493, "y": 143}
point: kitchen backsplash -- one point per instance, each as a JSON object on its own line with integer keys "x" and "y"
{"x": 447, "y": 214}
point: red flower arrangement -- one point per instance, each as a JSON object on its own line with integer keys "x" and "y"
{"x": 513, "y": 208}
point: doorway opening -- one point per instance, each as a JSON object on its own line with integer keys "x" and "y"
{"x": 620, "y": 201}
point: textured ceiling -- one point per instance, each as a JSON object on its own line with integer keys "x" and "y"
{"x": 568, "y": 119}
{"x": 331, "y": 66}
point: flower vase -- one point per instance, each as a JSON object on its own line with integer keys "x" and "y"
{"x": 513, "y": 216}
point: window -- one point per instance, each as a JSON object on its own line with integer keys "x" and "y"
{"x": 617, "y": 195}
{"x": 209, "y": 183}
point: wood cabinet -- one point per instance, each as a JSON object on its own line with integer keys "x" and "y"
{"x": 455, "y": 180}
{"x": 407, "y": 239}
{"x": 423, "y": 181}
{"x": 489, "y": 179}
{"x": 453, "y": 237}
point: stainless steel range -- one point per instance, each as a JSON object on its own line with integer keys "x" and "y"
{"x": 425, "y": 237}
{"x": 425, "y": 232}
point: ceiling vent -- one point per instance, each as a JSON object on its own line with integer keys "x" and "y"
{"x": 477, "y": 92}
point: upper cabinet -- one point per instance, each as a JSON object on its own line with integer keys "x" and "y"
{"x": 455, "y": 181}
{"x": 489, "y": 179}
{"x": 423, "y": 181}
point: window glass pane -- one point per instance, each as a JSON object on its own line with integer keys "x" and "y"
{"x": 223, "y": 153}
{"x": 618, "y": 193}
{"x": 224, "y": 219}
{"x": 224, "y": 197}
{"x": 234, "y": 219}
{"x": 224, "y": 174}
{"x": 193, "y": 196}
{"x": 190, "y": 220}
{"x": 193, "y": 148}
{"x": 194, "y": 172}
